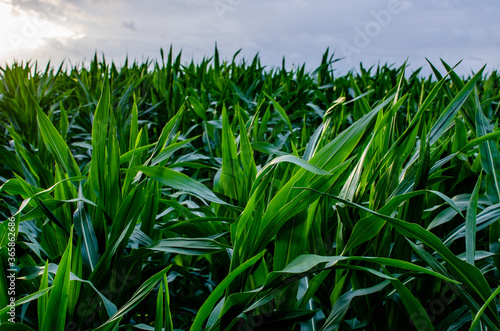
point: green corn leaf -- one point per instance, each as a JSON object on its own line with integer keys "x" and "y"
{"x": 159, "y": 309}
{"x": 56, "y": 145}
{"x": 231, "y": 180}
{"x": 198, "y": 108}
{"x": 57, "y": 305}
{"x": 470, "y": 225}
{"x": 85, "y": 230}
{"x": 165, "y": 154}
{"x": 368, "y": 227}
{"x": 209, "y": 304}
{"x": 490, "y": 156}
{"x": 167, "y": 315}
{"x": 464, "y": 272}
{"x": 413, "y": 306}
{"x": 43, "y": 300}
{"x": 100, "y": 127}
{"x": 449, "y": 112}
{"x": 135, "y": 299}
{"x": 188, "y": 246}
{"x": 26, "y": 299}
{"x": 477, "y": 317}
{"x": 341, "y": 306}
{"x": 178, "y": 181}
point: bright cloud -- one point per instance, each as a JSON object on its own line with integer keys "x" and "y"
{"x": 26, "y": 31}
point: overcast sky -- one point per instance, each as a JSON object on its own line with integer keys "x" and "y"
{"x": 368, "y": 31}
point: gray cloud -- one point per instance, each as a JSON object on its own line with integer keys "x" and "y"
{"x": 129, "y": 25}
{"x": 51, "y": 10}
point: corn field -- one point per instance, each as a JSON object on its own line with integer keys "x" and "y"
{"x": 224, "y": 195}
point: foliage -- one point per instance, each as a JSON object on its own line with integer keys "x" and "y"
{"x": 224, "y": 195}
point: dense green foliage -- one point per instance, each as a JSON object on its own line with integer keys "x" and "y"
{"x": 227, "y": 196}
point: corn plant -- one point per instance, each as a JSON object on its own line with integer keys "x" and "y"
{"x": 224, "y": 195}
